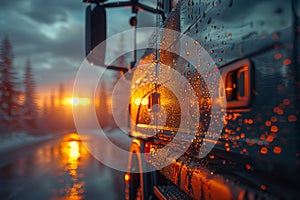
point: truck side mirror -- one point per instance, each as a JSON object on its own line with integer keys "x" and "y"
{"x": 95, "y": 31}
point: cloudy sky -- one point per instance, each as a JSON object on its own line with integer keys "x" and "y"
{"x": 51, "y": 34}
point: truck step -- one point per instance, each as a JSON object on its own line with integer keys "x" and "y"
{"x": 167, "y": 192}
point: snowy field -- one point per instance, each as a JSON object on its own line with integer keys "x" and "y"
{"x": 19, "y": 139}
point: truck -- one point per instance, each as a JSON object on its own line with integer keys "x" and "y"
{"x": 255, "y": 48}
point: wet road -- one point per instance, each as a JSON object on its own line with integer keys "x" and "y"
{"x": 59, "y": 168}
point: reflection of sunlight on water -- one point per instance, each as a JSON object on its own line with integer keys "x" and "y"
{"x": 72, "y": 151}
{"x": 60, "y": 169}
{"x": 73, "y": 154}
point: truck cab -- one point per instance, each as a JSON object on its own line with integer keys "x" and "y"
{"x": 227, "y": 113}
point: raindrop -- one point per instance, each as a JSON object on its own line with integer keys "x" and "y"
{"x": 287, "y": 61}
{"x": 277, "y": 56}
{"x": 275, "y": 36}
{"x": 263, "y": 187}
{"x": 270, "y": 138}
{"x": 267, "y": 123}
{"x": 230, "y": 3}
{"x": 248, "y": 166}
{"x": 274, "y": 129}
{"x": 278, "y": 10}
{"x": 292, "y": 118}
{"x": 264, "y": 150}
{"x": 209, "y": 21}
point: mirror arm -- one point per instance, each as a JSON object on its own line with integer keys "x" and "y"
{"x": 116, "y": 68}
{"x": 118, "y": 4}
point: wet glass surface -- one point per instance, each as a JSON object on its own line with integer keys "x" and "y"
{"x": 57, "y": 169}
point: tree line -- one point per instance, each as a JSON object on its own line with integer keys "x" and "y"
{"x": 19, "y": 109}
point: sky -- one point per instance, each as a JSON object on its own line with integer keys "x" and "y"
{"x": 48, "y": 33}
{"x": 51, "y": 35}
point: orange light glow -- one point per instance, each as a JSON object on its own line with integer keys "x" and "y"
{"x": 127, "y": 177}
{"x": 139, "y": 101}
{"x": 73, "y": 155}
{"x": 273, "y": 119}
{"x": 286, "y": 102}
{"x": 287, "y": 61}
{"x": 263, "y": 187}
{"x": 268, "y": 123}
{"x": 76, "y": 101}
{"x": 277, "y": 150}
{"x": 278, "y": 56}
{"x": 248, "y": 166}
{"x": 144, "y": 101}
{"x": 292, "y": 118}
{"x": 264, "y": 150}
{"x": 270, "y": 138}
{"x": 228, "y": 89}
{"x": 274, "y": 129}
{"x": 74, "y": 150}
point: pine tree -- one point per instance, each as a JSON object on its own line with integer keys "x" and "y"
{"x": 52, "y": 111}
{"x": 30, "y": 108}
{"x": 9, "y": 105}
{"x": 61, "y": 111}
{"x": 45, "y": 114}
{"x": 61, "y": 93}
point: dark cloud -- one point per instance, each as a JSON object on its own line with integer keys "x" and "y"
{"x": 49, "y": 33}
{"x": 50, "y": 12}
{"x": 39, "y": 16}
{"x": 5, "y": 4}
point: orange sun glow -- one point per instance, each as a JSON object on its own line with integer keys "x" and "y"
{"x": 76, "y": 101}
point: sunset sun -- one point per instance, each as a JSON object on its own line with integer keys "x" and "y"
{"x": 76, "y": 101}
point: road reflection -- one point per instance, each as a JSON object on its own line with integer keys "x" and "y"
{"x": 73, "y": 153}
{"x": 58, "y": 169}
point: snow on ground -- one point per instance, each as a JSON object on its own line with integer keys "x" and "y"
{"x": 19, "y": 139}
